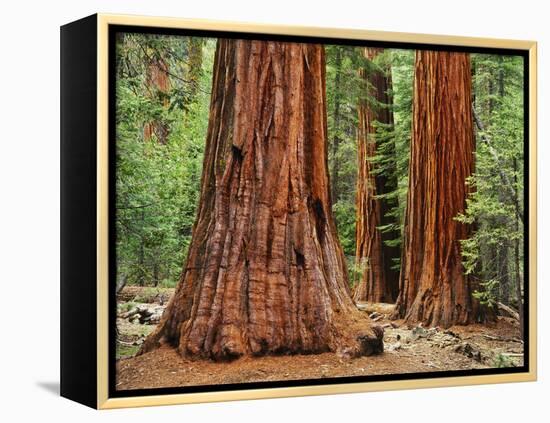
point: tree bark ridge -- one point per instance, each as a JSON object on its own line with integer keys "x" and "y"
{"x": 265, "y": 273}
{"x": 378, "y": 281}
{"x": 433, "y": 287}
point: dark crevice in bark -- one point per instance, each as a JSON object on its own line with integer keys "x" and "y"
{"x": 378, "y": 280}
{"x": 265, "y": 273}
{"x": 433, "y": 287}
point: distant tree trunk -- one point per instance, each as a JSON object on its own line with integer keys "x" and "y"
{"x": 503, "y": 272}
{"x": 519, "y": 291}
{"x": 158, "y": 85}
{"x": 195, "y": 66}
{"x": 474, "y": 90}
{"x": 155, "y": 272}
{"x": 433, "y": 287}
{"x": 518, "y": 278}
{"x": 335, "y": 171}
{"x": 503, "y": 256}
{"x": 265, "y": 273}
{"x": 122, "y": 281}
{"x": 378, "y": 282}
{"x": 491, "y": 96}
{"x": 489, "y": 261}
{"x": 500, "y": 77}
{"x": 141, "y": 253}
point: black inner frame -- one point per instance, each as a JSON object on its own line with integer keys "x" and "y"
{"x": 114, "y": 393}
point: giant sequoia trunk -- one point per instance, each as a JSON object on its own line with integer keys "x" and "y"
{"x": 433, "y": 287}
{"x": 265, "y": 273}
{"x": 378, "y": 281}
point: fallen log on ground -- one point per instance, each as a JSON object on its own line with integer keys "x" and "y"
{"x": 507, "y": 311}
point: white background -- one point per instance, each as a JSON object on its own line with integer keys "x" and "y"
{"x": 29, "y": 209}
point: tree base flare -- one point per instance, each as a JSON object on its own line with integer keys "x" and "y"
{"x": 265, "y": 273}
{"x": 356, "y": 338}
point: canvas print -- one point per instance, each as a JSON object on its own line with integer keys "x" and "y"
{"x": 307, "y": 210}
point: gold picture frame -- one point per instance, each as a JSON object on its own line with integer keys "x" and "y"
{"x": 102, "y": 399}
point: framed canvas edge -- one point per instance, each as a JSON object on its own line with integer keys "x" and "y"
{"x": 103, "y": 22}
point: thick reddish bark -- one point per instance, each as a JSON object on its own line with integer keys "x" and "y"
{"x": 265, "y": 273}
{"x": 158, "y": 85}
{"x": 433, "y": 287}
{"x": 378, "y": 281}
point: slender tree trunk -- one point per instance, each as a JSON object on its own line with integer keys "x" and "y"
{"x": 500, "y": 77}
{"x": 491, "y": 99}
{"x": 503, "y": 256}
{"x": 195, "y": 66}
{"x": 141, "y": 254}
{"x": 265, "y": 273}
{"x": 474, "y": 66}
{"x": 158, "y": 85}
{"x": 378, "y": 282}
{"x": 122, "y": 281}
{"x": 155, "y": 272}
{"x": 519, "y": 287}
{"x": 433, "y": 287}
{"x": 503, "y": 272}
{"x": 335, "y": 171}
{"x": 519, "y": 292}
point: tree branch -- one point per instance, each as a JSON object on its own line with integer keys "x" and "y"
{"x": 510, "y": 191}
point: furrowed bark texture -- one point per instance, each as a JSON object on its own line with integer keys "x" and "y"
{"x": 378, "y": 281}
{"x": 265, "y": 273}
{"x": 433, "y": 287}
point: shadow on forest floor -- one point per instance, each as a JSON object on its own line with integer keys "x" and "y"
{"x": 407, "y": 349}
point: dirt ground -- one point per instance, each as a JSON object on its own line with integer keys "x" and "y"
{"x": 406, "y": 350}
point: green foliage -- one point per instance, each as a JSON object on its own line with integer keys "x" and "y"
{"x": 123, "y": 307}
{"x": 393, "y": 141}
{"x": 502, "y": 360}
{"x": 344, "y": 213}
{"x": 491, "y": 207}
{"x": 487, "y": 296}
{"x": 158, "y": 185}
{"x": 356, "y": 269}
{"x": 158, "y": 181}
{"x": 345, "y": 89}
{"x": 125, "y": 351}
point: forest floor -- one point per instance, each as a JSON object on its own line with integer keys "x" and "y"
{"x": 407, "y": 349}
